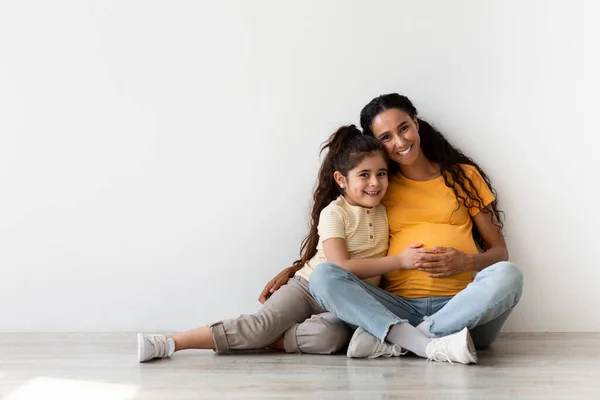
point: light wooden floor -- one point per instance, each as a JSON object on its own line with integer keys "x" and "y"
{"x": 104, "y": 366}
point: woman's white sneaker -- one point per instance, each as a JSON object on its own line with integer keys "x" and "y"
{"x": 457, "y": 347}
{"x": 152, "y": 346}
{"x": 365, "y": 345}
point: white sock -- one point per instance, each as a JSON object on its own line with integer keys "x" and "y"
{"x": 424, "y": 327}
{"x": 171, "y": 344}
{"x": 410, "y": 338}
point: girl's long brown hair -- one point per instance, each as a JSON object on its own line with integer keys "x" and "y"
{"x": 345, "y": 149}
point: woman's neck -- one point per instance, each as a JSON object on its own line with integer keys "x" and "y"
{"x": 421, "y": 170}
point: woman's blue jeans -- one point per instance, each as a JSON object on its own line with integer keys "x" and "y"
{"x": 483, "y": 306}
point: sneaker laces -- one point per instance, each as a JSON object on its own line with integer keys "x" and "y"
{"x": 383, "y": 348}
{"x": 399, "y": 351}
{"x": 380, "y": 348}
{"x": 160, "y": 348}
{"x": 440, "y": 349}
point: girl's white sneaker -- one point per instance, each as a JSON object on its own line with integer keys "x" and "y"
{"x": 152, "y": 346}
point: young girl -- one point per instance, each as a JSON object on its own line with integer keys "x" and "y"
{"x": 349, "y": 227}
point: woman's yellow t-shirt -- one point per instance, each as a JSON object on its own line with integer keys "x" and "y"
{"x": 428, "y": 212}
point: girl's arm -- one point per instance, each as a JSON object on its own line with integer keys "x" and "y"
{"x": 336, "y": 252}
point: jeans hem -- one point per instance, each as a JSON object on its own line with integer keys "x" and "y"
{"x": 470, "y": 321}
{"x": 395, "y": 319}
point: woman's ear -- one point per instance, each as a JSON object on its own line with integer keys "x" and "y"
{"x": 340, "y": 179}
{"x": 416, "y": 121}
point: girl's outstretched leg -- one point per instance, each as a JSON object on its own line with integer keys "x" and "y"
{"x": 289, "y": 306}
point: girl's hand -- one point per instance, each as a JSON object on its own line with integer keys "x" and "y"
{"x": 443, "y": 261}
{"x": 275, "y": 283}
{"x": 408, "y": 257}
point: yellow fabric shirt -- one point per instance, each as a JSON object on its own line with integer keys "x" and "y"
{"x": 429, "y": 213}
{"x": 365, "y": 230}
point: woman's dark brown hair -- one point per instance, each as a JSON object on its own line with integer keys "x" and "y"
{"x": 437, "y": 149}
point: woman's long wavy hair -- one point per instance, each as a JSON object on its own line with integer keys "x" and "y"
{"x": 437, "y": 149}
{"x": 346, "y": 148}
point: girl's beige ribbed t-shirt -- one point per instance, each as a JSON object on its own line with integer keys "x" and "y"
{"x": 365, "y": 230}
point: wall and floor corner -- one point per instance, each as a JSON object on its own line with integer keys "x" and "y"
{"x": 157, "y": 159}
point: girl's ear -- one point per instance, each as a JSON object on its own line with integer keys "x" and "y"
{"x": 340, "y": 179}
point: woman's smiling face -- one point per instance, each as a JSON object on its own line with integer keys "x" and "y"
{"x": 399, "y": 134}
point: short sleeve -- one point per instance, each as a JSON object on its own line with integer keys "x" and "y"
{"x": 483, "y": 190}
{"x": 331, "y": 224}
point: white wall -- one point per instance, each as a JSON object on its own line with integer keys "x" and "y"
{"x": 157, "y": 158}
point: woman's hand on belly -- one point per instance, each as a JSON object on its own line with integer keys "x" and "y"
{"x": 441, "y": 262}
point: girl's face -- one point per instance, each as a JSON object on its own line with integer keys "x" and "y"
{"x": 366, "y": 183}
{"x": 399, "y": 134}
